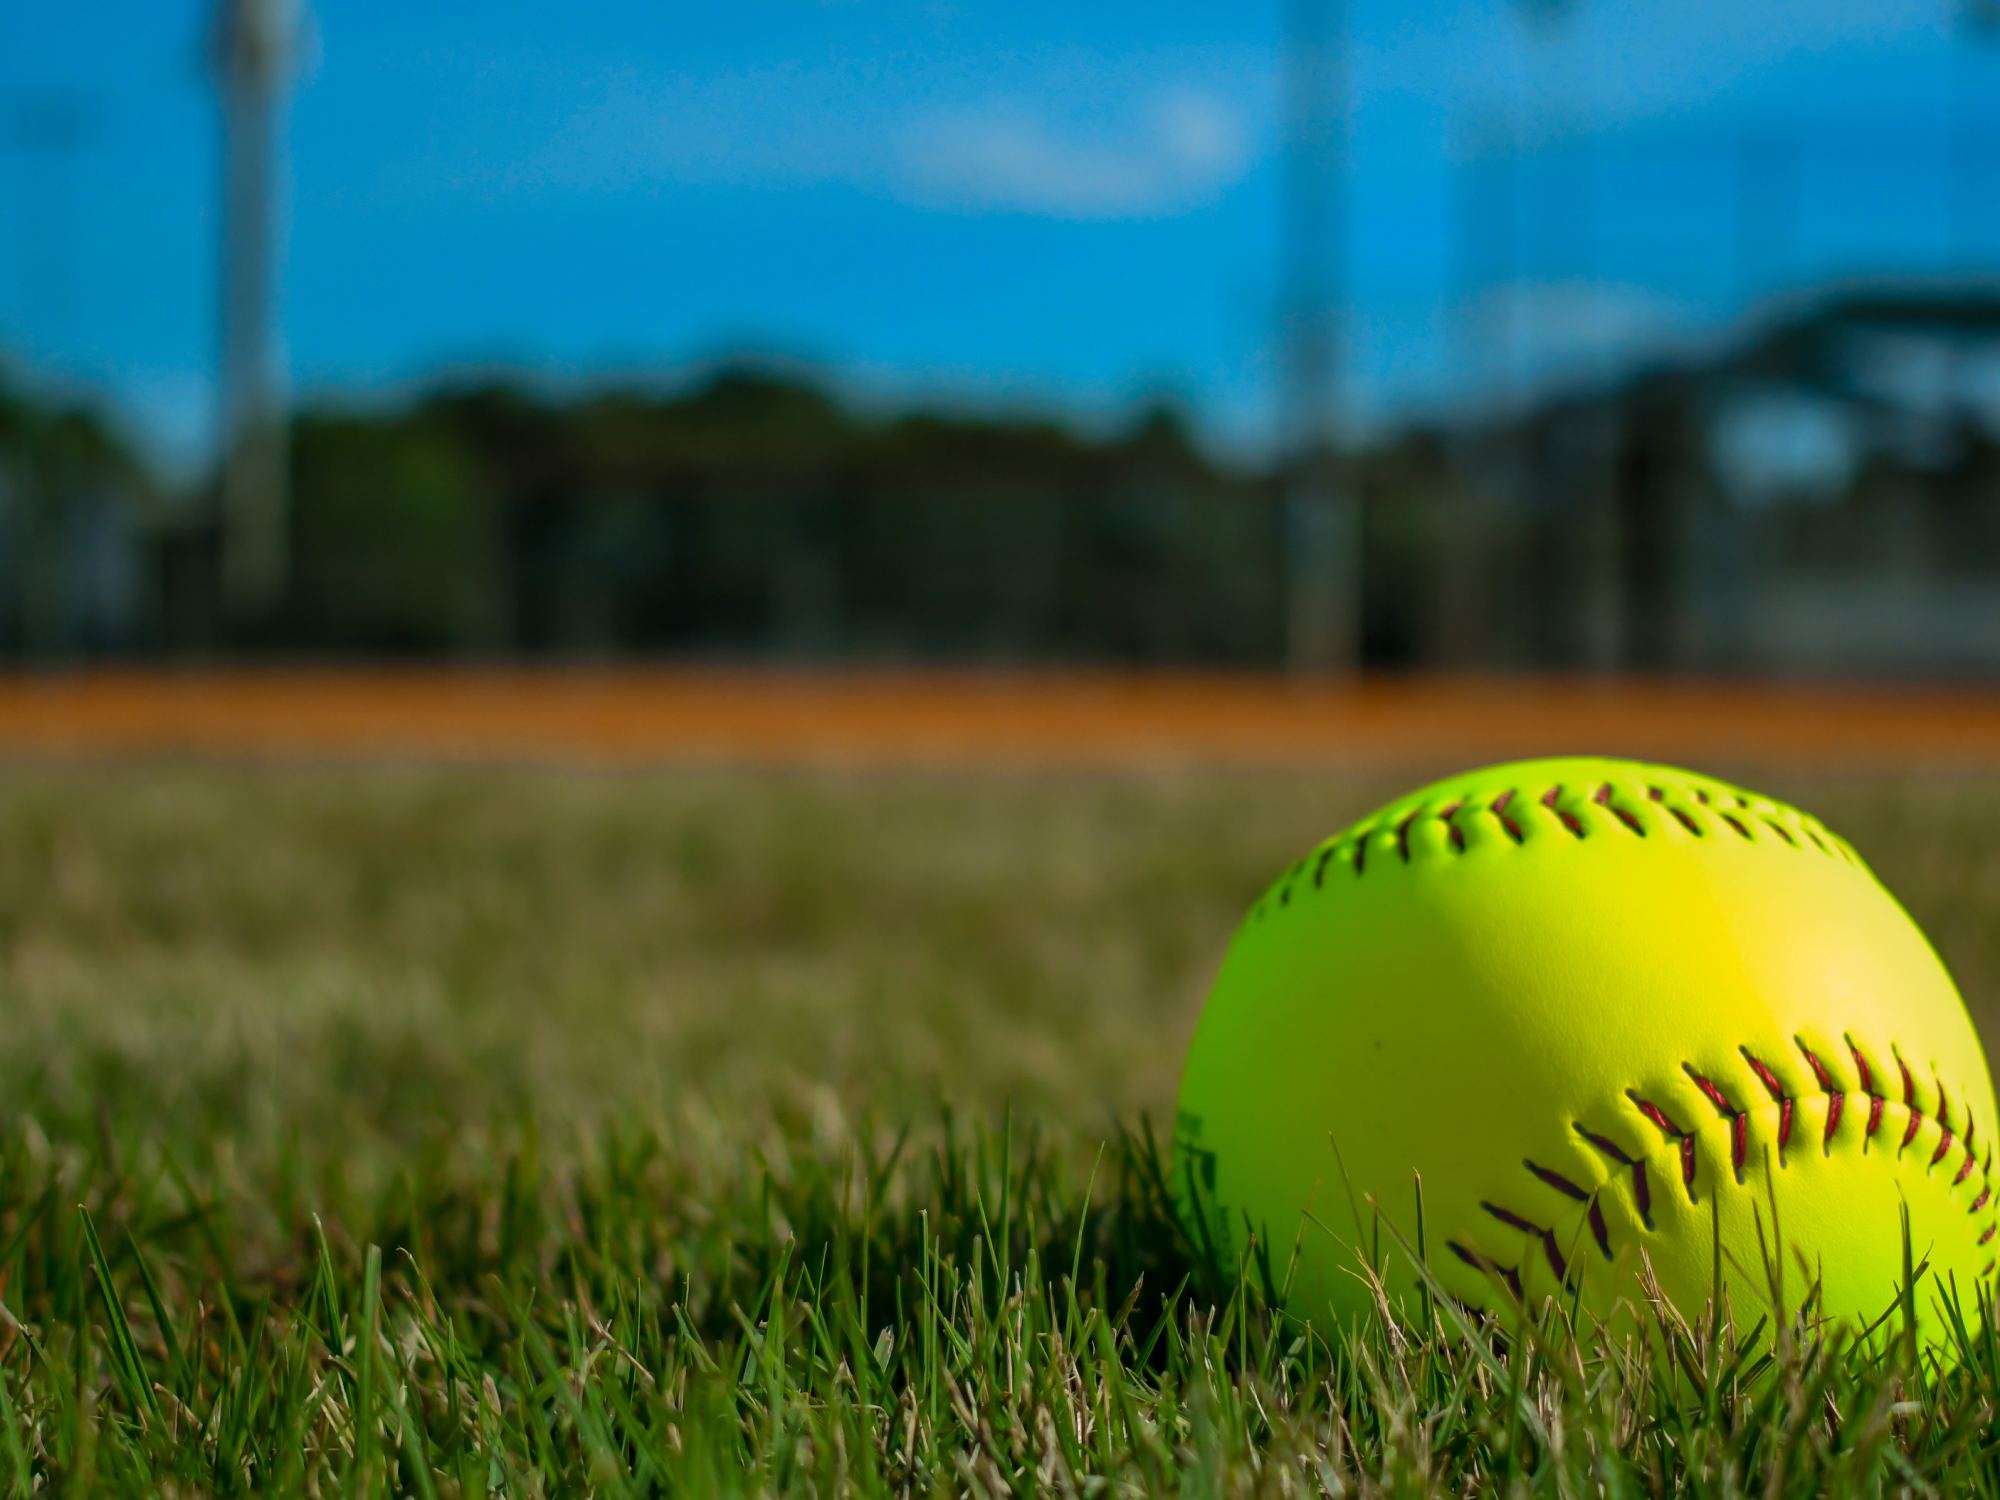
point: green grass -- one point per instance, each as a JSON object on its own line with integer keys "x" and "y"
{"x": 453, "y": 1132}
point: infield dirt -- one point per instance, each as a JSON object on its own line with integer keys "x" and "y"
{"x": 920, "y": 719}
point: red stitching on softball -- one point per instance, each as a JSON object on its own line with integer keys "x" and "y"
{"x": 1715, "y": 1095}
{"x": 1673, "y": 1132}
{"x": 1875, "y": 1100}
{"x": 1549, "y": 1247}
{"x": 1608, "y": 1146}
{"x": 1642, "y": 1195}
{"x": 1569, "y": 819}
{"x": 1602, "y": 797}
{"x": 1446, "y": 814}
{"x": 1559, "y": 1182}
{"x": 1513, "y": 1220}
{"x": 1739, "y": 1119}
{"x": 1555, "y": 1257}
{"x": 1598, "y": 1230}
{"x": 1686, "y": 822}
{"x": 1657, "y": 1115}
{"x": 1739, "y": 1124}
{"x": 1480, "y": 1262}
{"x": 1777, "y": 1092}
{"x": 1861, "y": 1067}
{"x": 1909, "y": 1103}
{"x": 1403, "y": 834}
{"x": 1835, "y": 1099}
{"x": 1818, "y": 1067}
{"x": 1764, "y": 1074}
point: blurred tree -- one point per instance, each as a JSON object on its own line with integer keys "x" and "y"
{"x": 395, "y": 540}
{"x": 757, "y": 516}
{"x": 75, "y": 505}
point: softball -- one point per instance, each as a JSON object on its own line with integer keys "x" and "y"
{"x": 1542, "y": 1027}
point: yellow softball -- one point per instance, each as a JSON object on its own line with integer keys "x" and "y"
{"x": 1609, "y": 1016}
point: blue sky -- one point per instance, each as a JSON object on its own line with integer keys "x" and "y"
{"x": 1023, "y": 202}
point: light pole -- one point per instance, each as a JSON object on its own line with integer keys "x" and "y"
{"x": 253, "y": 46}
{"x": 1322, "y": 565}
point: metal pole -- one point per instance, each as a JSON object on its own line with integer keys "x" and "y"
{"x": 253, "y": 50}
{"x": 1321, "y": 529}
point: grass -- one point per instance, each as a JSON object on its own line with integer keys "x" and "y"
{"x": 454, "y": 1132}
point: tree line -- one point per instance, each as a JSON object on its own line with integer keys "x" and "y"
{"x": 1661, "y": 522}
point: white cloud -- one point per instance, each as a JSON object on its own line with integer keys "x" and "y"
{"x": 1169, "y": 153}
{"x": 1083, "y": 133}
{"x": 1068, "y": 136}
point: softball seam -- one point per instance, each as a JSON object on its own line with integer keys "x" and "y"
{"x": 1633, "y": 1178}
{"x": 1733, "y": 811}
